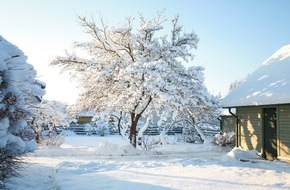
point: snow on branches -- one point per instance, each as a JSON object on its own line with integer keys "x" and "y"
{"x": 19, "y": 93}
{"x": 136, "y": 71}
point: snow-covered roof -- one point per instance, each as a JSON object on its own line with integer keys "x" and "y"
{"x": 87, "y": 114}
{"x": 268, "y": 85}
{"x": 225, "y": 112}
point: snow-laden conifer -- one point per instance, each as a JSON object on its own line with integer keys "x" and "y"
{"x": 20, "y": 92}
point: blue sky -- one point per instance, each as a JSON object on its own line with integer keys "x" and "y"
{"x": 235, "y": 36}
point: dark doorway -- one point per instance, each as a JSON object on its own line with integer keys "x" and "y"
{"x": 270, "y": 133}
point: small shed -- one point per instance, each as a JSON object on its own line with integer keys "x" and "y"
{"x": 85, "y": 117}
{"x": 262, "y": 103}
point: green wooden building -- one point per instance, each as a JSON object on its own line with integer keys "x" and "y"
{"x": 227, "y": 121}
{"x": 262, "y": 103}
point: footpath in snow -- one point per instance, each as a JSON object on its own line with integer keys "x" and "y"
{"x": 92, "y": 162}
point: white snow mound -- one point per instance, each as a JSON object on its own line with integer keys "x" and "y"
{"x": 239, "y": 153}
{"x": 107, "y": 148}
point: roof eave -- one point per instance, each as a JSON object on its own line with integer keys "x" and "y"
{"x": 254, "y": 105}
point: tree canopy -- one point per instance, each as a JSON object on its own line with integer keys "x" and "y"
{"x": 137, "y": 70}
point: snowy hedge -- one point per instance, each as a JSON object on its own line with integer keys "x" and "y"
{"x": 224, "y": 139}
{"x": 19, "y": 93}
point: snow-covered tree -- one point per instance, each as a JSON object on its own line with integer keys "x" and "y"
{"x": 50, "y": 114}
{"x": 136, "y": 69}
{"x": 20, "y": 93}
{"x": 234, "y": 84}
{"x": 207, "y": 112}
{"x": 192, "y": 117}
{"x": 101, "y": 121}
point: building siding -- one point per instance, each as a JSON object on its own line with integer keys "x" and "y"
{"x": 250, "y": 128}
{"x": 228, "y": 123}
{"x": 284, "y": 132}
{"x": 251, "y": 132}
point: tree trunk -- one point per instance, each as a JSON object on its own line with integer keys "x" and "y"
{"x": 36, "y": 131}
{"x": 134, "y": 120}
{"x": 133, "y": 128}
{"x": 119, "y": 124}
{"x": 37, "y": 137}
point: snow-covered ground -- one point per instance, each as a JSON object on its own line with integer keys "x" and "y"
{"x": 92, "y": 162}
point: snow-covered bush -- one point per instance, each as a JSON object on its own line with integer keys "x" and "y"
{"x": 149, "y": 142}
{"x": 188, "y": 134}
{"x": 89, "y": 129}
{"x": 49, "y": 137}
{"x": 225, "y": 139}
{"x": 102, "y": 129}
{"x": 52, "y": 141}
{"x": 101, "y": 123}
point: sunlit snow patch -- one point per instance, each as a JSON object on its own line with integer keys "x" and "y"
{"x": 107, "y": 148}
{"x": 240, "y": 154}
